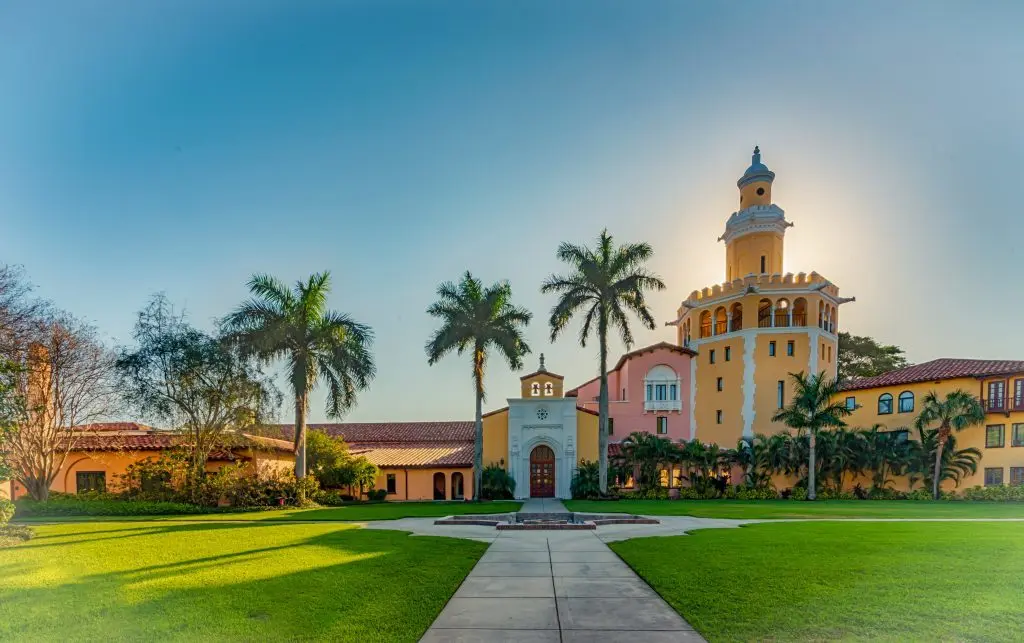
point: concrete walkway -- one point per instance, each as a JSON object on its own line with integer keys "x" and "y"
{"x": 552, "y": 586}
{"x": 543, "y": 506}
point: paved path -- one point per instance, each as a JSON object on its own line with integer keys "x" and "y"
{"x": 543, "y": 506}
{"x": 553, "y": 586}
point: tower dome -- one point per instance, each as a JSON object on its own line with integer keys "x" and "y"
{"x": 757, "y": 171}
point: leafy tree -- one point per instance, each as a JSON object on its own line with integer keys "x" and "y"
{"x": 329, "y": 460}
{"x": 496, "y": 484}
{"x": 605, "y": 283}
{"x": 586, "y": 482}
{"x": 885, "y": 453}
{"x": 860, "y": 356}
{"x": 751, "y": 455}
{"x": 814, "y": 407}
{"x": 319, "y": 345}
{"x": 478, "y": 319}
{"x": 956, "y": 463}
{"x": 647, "y": 454}
{"x": 956, "y": 412}
{"x": 12, "y": 411}
{"x": 198, "y": 384}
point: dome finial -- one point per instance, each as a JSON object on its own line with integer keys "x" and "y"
{"x": 542, "y": 362}
{"x": 756, "y": 158}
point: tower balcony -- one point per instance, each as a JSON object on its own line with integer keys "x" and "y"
{"x": 663, "y": 405}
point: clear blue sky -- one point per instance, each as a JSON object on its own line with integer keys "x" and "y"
{"x": 182, "y": 146}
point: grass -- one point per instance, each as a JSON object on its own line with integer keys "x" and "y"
{"x": 354, "y": 512}
{"x": 226, "y": 581}
{"x": 796, "y": 509}
{"x": 842, "y": 581}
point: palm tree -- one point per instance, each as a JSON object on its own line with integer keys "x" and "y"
{"x": 958, "y": 411}
{"x": 814, "y": 406}
{"x": 320, "y": 345}
{"x": 605, "y": 283}
{"x": 477, "y": 318}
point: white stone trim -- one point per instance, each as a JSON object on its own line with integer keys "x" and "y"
{"x": 752, "y": 332}
{"x": 557, "y": 431}
{"x": 749, "y": 385}
{"x": 693, "y": 397}
{"x": 812, "y": 360}
{"x": 756, "y": 218}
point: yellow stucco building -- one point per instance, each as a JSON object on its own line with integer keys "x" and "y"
{"x": 756, "y": 327}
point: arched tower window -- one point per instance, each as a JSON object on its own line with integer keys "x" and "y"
{"x": 721, "y": 325}
{"x": 821, "y": 315}
{"x": 549, "y": 389}
{"x": 800, "y": 312}
{"x": 764, "y": 313}
{"x": 705, "y": 323}
{"x": 782, "y": 313}
{"x": 832, "y": 319}
{"x": 535, "y": 389}
{"x": 736, "y": 317}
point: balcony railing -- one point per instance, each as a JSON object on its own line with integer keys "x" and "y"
{"x": 721, "y": 327}
{"x": 663, "y": 405}
{"x": 1003, "y": 404}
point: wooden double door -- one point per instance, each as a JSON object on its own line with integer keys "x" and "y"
{"x": 542, "y": 472}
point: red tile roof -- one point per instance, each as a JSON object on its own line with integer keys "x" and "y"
{"x": 357, "y": 432}
{"x": 416, "y": 455}
{"x": 158, "y": 440}
{"x": 115, "y": 426}
{"x": 682, "y": 350}
{"x": 938, "y": 369}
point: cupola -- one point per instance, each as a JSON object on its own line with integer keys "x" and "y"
{"x": 756, "y": 183}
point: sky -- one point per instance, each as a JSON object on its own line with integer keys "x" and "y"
{"x": 181, "y": 146}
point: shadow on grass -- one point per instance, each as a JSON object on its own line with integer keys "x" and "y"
{"x": 229, "y": 581}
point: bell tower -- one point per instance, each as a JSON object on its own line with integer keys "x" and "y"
{"x": 754, "y": 233}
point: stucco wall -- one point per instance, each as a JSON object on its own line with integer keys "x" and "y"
{"x": 586, "y": 436}
{"x": 496, "y": 438}
{"x": 418, "y": 484}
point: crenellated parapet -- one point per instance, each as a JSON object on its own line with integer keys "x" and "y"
{"x": 751, "y": 284}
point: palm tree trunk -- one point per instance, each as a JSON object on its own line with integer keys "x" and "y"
{"x": 811, "y": 466}
{"x": 300, "y": 436}
{"x": 602, "y": 418}
{"x": 478, "y": 446}
{"x": 940, "y": 445}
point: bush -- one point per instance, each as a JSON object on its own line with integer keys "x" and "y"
{"x": 103, "y": 505}
{"x": 496, "y": 484}
{"x": 885, "y": 493}
{"x": 6, "y": 511}
{"x": 377, "y": 495}
{"x": 586, "y": 482}
{"x": 332, "y": 498}
{"x": 652, "y": 493}
{"x": 754, "y": 493}
{"x": 832, "y": 494}
{"x": 690, "y": 493}
{"x": 1002, "y": 493}
{"x": 797, "y": 493}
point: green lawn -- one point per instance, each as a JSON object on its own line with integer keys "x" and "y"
{"x": 227, "y": 581}
{"x": 842, "y": 581}
{"x": 355, "y": 512}
{"x": 797, "y": 509}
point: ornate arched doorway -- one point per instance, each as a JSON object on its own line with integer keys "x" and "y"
{"x": 542, "y": 472}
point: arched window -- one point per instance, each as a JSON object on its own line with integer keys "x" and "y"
{"x": 458, "y": 487}
{"x": 782, "y": 313}
{"x": 884, "y": 404}
{"x": 821, "y": 315}
{"x": 800, "y": 312}
{"x": 736, "y": 317}
{"x": 440, "y": 491}
{"x": 721, "y": 325}
{"x": 764, "y": 314}
{"x": 549, "y": 389}
{"x": 705, "y": 324}
{"x": 535, "y": 389}
{"x": 661, "y": 384}
{"x": 906, "y": 402}
{"x": 832, "y": 319}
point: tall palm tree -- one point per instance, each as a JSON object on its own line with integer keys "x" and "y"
{"x": 319, "y": 345}
{"x": 815, "y": 405}
{"x": 958, "y": 411}
{"x": 605, "y": 283}
{"x": 477, "y": 319}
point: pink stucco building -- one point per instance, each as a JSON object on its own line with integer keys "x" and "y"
{"x": 648, "y": 390}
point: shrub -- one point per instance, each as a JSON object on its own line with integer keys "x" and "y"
{"x": 690, "y": 493}
{"x": 102, "y": 505}
{"x": 6, "y": 511}
{"x": 496, "y": 484}
{"x": 377, "y": 495}
{"x": 1001, "y": 493}
{"x": 652, "y": 493}
{"x": 586, "y": 482}
{"x": 833, "y": 494}
{"x": 885, "y": 493}
{"x": 332, "y": 498}
{"x": 754, "y": 493}
{"x": 798, "y": 493}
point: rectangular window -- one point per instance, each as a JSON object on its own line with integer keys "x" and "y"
{"x": 996, "y": 393}
{"x": 993, "y": 476}
{"x": 790, "y": 348}
{"x": 650, "y": 392}
{"x": 851, "y": 403}
{"x": 1016, "y": 475}
{"x": 719, "y": 384}
{"x": 392, "y": 483}
{"x": 91, "y": 481}
{"x": 728, "y": 354}
{"x": 711, "y": 356}
{"x": 1018, "y": 394}
{"x": 662, "y": 425}
{"x": 673, "y": 392}
{"x": 830, "y": 354}
{"x": 771, "y": 349}
{"x": 623, "y": 395}
{"x": 611, "y": 426}
{"x": 762, "y": 265}
{"x": 781, "y": 394}
{"x": 1018, "y": 435}
{"x": 663, "y": 477}
{"x": 660, "y": 392}
{"x": 994, "y": 436}
{"x": 901, "y": 435}
{"x": 718, "y": 416}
